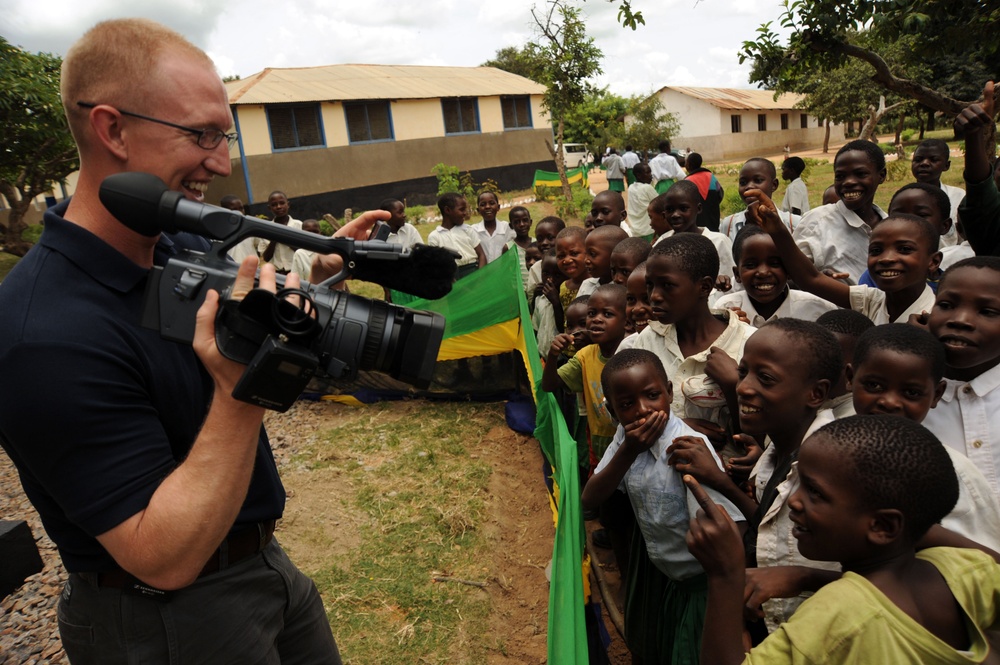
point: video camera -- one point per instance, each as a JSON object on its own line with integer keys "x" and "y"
{"x": 288, "y": 337}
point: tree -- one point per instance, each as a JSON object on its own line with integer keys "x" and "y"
{"x": 824, "y": 33}
{"x": 596, "y": 120}
{"x": 571, "y": 59}
{"x": 38, "y": 148}
{"x": 527, "y": 61}
{"x": 646, "y": 124}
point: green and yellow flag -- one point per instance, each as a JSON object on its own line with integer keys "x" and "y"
{"x": 551, "y": 178}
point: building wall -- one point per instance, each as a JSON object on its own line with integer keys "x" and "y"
{"x": 302, "y": 173}
{"x": 729, "y": 146}
{"x": 696, "y": 117}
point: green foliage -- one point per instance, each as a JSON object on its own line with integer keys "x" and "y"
{"x": 810, "y": 164}
{"x": 37, "y": 147}
{"x": 595, "y": 120}
{"x": 897, "y": 170}
{"x": 648, "y": 123}
{"x": 32, "y": 233}
{"x": 907, "y": 134}
{"x": 629, "y": 18}
{"x": 526, "y": 61}
{"x": 415, "y": 214}
{"x": 732, "y": 203}
{"x": 450, "y": 180}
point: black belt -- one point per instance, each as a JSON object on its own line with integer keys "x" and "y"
{"x": 235, "y": 548}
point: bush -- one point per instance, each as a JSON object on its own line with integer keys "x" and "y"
{"x": 32, "y": 233}
{"x": 732, "y": 203}
{"x": 907, "y": 134}
{"x": 888, "y": 148}
{"x": 450, "y": 180}
{"x": 415, "y": 214}
{"x": 896, "y": 170}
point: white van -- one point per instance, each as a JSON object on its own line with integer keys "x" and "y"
{"x": 574, "y": 154}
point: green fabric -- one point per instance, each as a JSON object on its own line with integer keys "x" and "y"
{"x": 664, "y": 618}
{"x": 663, "y": 185}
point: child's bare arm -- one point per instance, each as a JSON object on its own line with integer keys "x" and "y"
{"x": 782, "y": 582}
{"x": 971, "y": 123}
{"x": 939, "y": 536}
{"x": 798, "y": 265}
{"x": 690, "y": 455}
{"x": 639, "y": 437}
{"x": 550, "y": 375}
{"x": 480, "y": 255}
{"x": 714, "y": 540}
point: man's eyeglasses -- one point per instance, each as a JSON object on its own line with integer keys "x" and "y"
{"x": 208, "y": 139}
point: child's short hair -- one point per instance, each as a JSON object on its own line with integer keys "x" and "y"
{"x": 768, "y": 164}
{"x": 821, "y": 353}
{"x": 693, "y": 161}
{"x": 642, "y": 167}
{"x": 988, "y": 262}
{"x": 552, "y": 220}
{"x": 795, "y": 164}
{"x": 228, "y": 200}
{"x": 278, "y": 192}
{"x": 898, "y": 464}
{"x": 485, "y": 192}
{"x": 616, "y": 197}
{"x": 579, "y": 300}
{"x": 931, "y": 235}
{"x": 845, "y": 322}
{"x": 627, "y": 358}
{"x": 389, "y": 204}
{"x": 938, "y": 194}
{"x": 520, "y": 209}
{"x": 634, "y": 248}
{"x": 615, "y": 293}
{"x": 577, "y": 232}
{"x": 874, "y": 152}
{"x": 449, "y": 200}
{"x": 747, "y": 231}
{"x": 935, "y": 144}
{"x": 688, "y": 188}
{"x": 694, "y": 253}
{"x": 609, "y": 233}
{"x": 902, "y": 338}
{"x": 664, "y": 146}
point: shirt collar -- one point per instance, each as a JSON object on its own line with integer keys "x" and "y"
{"x": 979, "y": 386}
{"x": 852, "y": 217}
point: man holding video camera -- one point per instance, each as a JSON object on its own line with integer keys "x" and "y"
{"x": 158, "y": 487}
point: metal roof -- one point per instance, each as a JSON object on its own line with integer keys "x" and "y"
{"x": 738, "y": 99}
{"x": 355, "y": 82}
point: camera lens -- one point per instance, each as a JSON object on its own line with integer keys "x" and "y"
{"x": 375, "y": 335}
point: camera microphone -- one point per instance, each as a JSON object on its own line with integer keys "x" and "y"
{"x": 144, "y": 203}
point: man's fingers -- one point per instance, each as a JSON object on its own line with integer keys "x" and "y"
{"x": 244, "y": 282}
{"x": 359, "y": 227}
{"x": 702, "y": 497}
{"x": 989, "y": 104}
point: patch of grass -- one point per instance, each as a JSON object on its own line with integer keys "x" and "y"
{"x": 7, "y": 263}
{"x": 423, "y": 494}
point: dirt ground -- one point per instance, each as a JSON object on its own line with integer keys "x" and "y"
{"x": 519, "y": 526}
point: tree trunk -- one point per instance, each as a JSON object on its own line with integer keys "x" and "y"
{"x": 899, "y": 128}
{"x": 930, "y": 120}
{"x": 15, "y": 222}
{"x": 874, "y": 115}
{"x": 922, "y": 126}
{"x": 561, "y": 163}
{"x": 826, "y": 138}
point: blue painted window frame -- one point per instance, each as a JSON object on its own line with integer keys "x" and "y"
{"x": 513, "y": 99}
{"x": 295, "y": 131}
{"x": 365, "y": 105}
{"x": 458, "y": 105}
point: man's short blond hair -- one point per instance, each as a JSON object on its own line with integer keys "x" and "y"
{"x": 115, "y": 63}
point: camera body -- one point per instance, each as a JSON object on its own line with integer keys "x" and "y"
{"x": 284, "y": 338}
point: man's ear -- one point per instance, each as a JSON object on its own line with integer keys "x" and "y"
{"x": 885, "y": 526}
{"x": 107, "y": 125}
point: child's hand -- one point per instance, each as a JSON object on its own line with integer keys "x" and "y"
{"x": 763, "y": 211}
{"x": 739, "y": 468}
{"x": 831, "y": 273}
{"x": 712, "y": 536}
{"x": 561, "y": 342}
{"x": 723, "y": 283}
{"x": 715, "y": 434}
{"x": 974, "y": 118}
{"x": 643, "y": 433}
{"x": 551, "y": 292}
{"x": 763, "y": 584}
{"x": 689, "y": 454}
{"x": 740, "y": 314}
{"x": 919, "y": 320}
{"x": 722, "y": 369}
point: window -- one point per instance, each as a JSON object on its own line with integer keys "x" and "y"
{"x": 516, "y": 112}
{"x": 737, "y": 123}
{"x": 784, "y": 121}
{"x": 294, "y": 127}
{"x": 461, "y": 116}
{"x": 804, "y": 121}
{"x": 368, "y": 121}
{"x": 761, "y": 122}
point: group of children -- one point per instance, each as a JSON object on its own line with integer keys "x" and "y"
{"x": 833, "y": 438}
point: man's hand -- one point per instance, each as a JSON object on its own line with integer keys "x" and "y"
{"x": 326, "y": 266}
{"x": 712, "y": 537}
{"x": 763, "y": 212}
{"x": 226, "y": 373}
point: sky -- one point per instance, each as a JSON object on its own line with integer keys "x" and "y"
{"x": 684, "y": 42}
